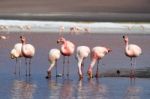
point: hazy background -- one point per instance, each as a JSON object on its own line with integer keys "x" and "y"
{"x": 86, "y": 10}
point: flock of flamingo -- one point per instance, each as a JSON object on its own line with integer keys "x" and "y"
{"x": 67, "y": 49}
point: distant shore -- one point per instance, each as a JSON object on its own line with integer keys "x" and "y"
{"x": 80, "y": 16}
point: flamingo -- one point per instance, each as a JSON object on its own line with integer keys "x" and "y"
{"x": 25, "y": 27}
{"x": 54, "y": 55}
{"x": 78, "y": 29}
{"x": 75, "y": 29}
{"x": 132, "y": 51}
{"x": 81, "y": 53}
{"x": 2, "y": 37}
{"x": 97, "y": 53}
{"x": 67, "y": 49}
{"x": 27, "y": 51}
{"x": 61, "y": 29}
{"x": 72, "y": 30}
{"x": 16, "y": 54}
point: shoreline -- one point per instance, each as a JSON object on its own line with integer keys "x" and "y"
{"x": 7, "y": 26}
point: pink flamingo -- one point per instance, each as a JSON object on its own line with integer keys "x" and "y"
{"x": 15, "y": 54}
{"x": 81, "y": 53}
{"x": 54, "y": 55}
{"x": 97, "y": 54}
{"x": 27, "y": 51}
{"x": 67, "y": 49}
{"x": 132, "y": 51}
{"x": 2, "y": 37}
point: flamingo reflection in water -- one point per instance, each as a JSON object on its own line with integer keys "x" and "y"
{"x": 92, "y": 90}
{"x": 22, "y": 90}
{"x": 133, "y": 91}
{"x": 61, "y": 90}
{"x": 66, "y": 91}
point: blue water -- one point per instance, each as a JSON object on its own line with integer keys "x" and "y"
{"x": 37, "y": 87}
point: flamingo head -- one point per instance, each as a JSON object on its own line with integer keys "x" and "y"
{"x": 125, "y": 38}
{"x": 109, "y": 50}
{"x": 12, "y": 56}
{"x": 23, "y": 39}
{"x": 61, "y": 40}
{"x": 89, "y": 72}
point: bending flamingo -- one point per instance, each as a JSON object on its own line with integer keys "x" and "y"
{"x": 132, "y": 51}
{"x": 97, "y": 54}
{"x": 28, "y": 52}
{"x": 67, "y": 49}
{"x": 81, "y": 53}
{"x": 54, "y": 55}
{"x": 16, "y": 54}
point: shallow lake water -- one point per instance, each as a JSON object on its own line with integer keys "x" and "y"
{"x": 37, "y": 87}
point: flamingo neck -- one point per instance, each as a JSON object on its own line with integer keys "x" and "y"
{"x": 22, "y": 49}
{"x": 93, "y": 63}
{"x": 126, "y": 43}
{"x": 80, "y": 62}
{"x": 127, "y": 51}
{"x": 80, "y": 66}
{"x": 52, "y": 65}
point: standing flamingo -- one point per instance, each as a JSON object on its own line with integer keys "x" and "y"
{"x": 54, "y": 55}
{"x": 16, "y": 54}
{"x": 67, "y": 49}
{"x": 81, "y": 53}
{"x": 97, "y": 54}
{"x": 27, "y": 51}
{"x": 132, "y": 51}
{"x": 61, "y": 29}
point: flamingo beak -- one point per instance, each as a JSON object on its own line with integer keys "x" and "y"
{"x": 123, "y": 36}
{"x": 57, "y": 41}
{"x": 12, "y": 57}
{"x": 109, "y": 50}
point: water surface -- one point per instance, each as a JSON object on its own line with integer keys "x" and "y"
{"x": 37, "y": 87}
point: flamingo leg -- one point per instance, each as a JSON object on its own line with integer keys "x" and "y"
{"x": 132, "y": 69}
{"x": 30, "y": 67}
{"x": 97, "y": 70}
{"x": 16, "y": 66}
{"x": 68, "y": 67}
{"x": 63, "y": 65}
{"x": 56, "y": 69}
{"x": 19, "y": 66}
{"x": 26, "y": 66}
